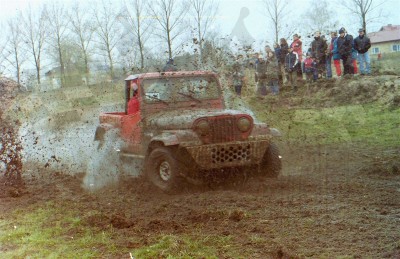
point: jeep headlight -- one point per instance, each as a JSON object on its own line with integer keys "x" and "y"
{"x": 244, "y": 124}
{"x": 203, "y": 127}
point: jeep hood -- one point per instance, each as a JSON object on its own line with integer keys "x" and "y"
{"x": 170, "y": 120}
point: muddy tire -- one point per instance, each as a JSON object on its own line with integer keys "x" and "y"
{"x": 271, "y": 164}
{"x": 164, "y": 170}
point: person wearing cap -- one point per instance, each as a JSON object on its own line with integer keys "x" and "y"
{"x": 362, "y": 44}
{"x": 344, "y": 47}
{"x": 297, "y": 47}
{"x": 133, "y": 103}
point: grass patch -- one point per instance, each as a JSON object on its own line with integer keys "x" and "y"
{"x": 53, "y": 231}
{"x": 369, "y": 124}
{"x": 60, "y": 230}
{"x": 387, "y": 65}
{"x": 171, "y": 246}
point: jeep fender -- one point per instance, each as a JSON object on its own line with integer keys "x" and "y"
{"x": 275, "y": 132}
{"x": 261, "y": 130}
{"x": 177, "y": 137}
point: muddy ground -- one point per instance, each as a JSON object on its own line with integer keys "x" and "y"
{"x": 339, "y": 201}
{"x": 329, "y": 202}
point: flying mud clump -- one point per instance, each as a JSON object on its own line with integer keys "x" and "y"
{"x": 10, "y": 146}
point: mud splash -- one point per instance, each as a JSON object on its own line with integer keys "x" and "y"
{"x": 105, "y": 166}
{"x": 10, "y": 145}
{"x": 72, "y": 150}
{"x": 10, "y": 153}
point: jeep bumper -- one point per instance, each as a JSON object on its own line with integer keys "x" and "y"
{"x": 230, "y": 154}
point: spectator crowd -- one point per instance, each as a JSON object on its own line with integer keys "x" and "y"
{"x": 285, "y": 65}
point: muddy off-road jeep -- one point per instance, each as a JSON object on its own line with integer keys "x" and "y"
{"x": 184, "y": 133}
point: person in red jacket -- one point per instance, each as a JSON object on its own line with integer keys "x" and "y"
{"x": 133, "y": 104}
{"x": 309, "y": 68}
{"x": 297, "y": 47}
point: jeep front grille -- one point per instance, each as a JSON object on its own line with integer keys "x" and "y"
{"x": 221, "y": 155}
{"x": 230, "y": 154}
{"x": 224, "y": 130}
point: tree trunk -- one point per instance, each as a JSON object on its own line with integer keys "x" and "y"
{"x": 38, "y": 71}
{"x": 141, "y": 51}
{"x": 364, "y": 23}
{"x": 169, "y": 44}
{"x": 200, "y": 43}
{"x": 17, "y": 65}
{"x": 141, "y": 57}
{"x": 62, "y": 70}
{"x": 111, "y": 64}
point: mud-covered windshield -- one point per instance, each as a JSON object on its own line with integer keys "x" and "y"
{"x": 180, "y": 89}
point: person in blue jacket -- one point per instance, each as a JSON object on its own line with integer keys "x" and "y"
{"x": 336, "y": 58}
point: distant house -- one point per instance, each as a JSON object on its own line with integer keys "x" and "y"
{"x": 386, "y": 40}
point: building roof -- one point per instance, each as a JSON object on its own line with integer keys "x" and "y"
{"x": 386, "y": 33}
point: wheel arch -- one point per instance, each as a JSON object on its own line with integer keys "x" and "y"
{"x": 165, "y": 139}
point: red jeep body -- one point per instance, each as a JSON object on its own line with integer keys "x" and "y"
{"x": 184, "y": 113}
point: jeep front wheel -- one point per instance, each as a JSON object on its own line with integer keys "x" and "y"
{"x": 163, "y": 170}
{"x": 271, "y": 164}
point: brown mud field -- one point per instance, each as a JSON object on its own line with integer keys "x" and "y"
{"x": 329, "y": 202}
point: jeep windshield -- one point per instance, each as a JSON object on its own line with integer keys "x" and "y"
{"x": 182, "y": 89}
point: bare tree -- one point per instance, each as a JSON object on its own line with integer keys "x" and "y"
{"x": 364, "y": 9}
{"x": 108, "y": 31}
{"x": 83, "y": 29}
{"x": 15, "y": 54}
{"x": 35, "y": 36}
{"x": 276, "y": 11}
{"x": 138, "y": 24}
{"x": 170, "y": 15}
{"x": 58, "y": 30}
{"x": 319, "y": 17}
{"x": 203, "y": 13}
{"x": 4, "y": 54}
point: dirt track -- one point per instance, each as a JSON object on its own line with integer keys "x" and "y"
{"x": 331, "y": 201}
{"x": 345, "y": 202}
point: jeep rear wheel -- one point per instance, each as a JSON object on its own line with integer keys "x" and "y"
{"x": 163, "y": 170}
{"x": 271, "y": 164}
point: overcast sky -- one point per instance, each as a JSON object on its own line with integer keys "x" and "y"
{"x": 256, "y": 22}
